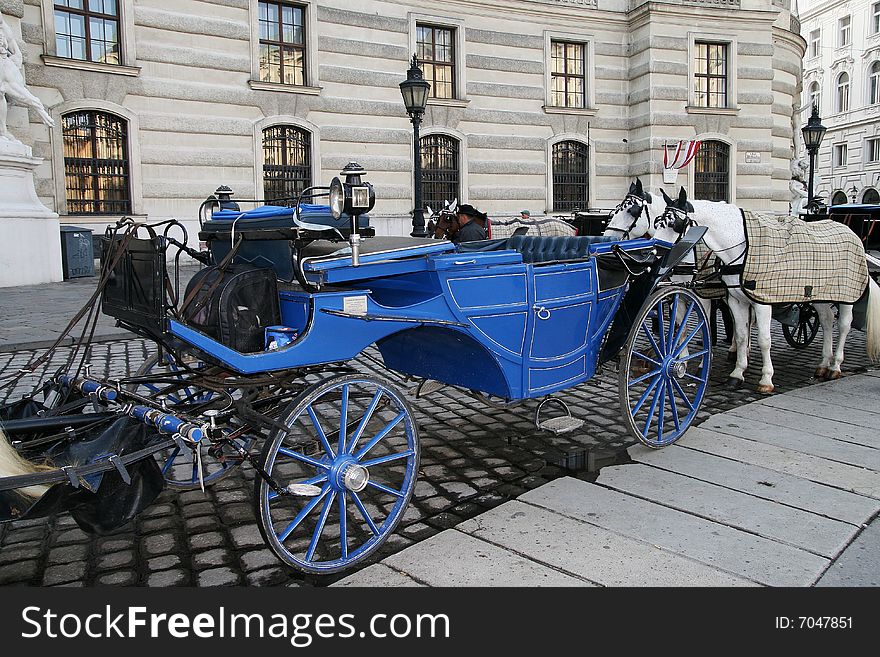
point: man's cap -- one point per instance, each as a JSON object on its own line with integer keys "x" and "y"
{"x": 525, "y": 212}
{"x": 471, "y": 211}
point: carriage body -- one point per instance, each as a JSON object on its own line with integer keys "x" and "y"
{"x": 485, "y": 320}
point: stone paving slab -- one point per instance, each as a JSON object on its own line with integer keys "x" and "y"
{"x": 860, "y": 564}
{"x": 840, "y": 475}
{"x": 861, "y": 392}
{"x": 802, "y": 529}
{"x": 826, "y": 410}
{"x": 453, "y": 558}
{"x": 794, "y": 439}
{"x": 590, "y": 552}
{"x": 808, "y": 424}
{"x": 760, "y": 481}
{"x": 726, "y": 548}
{"x": 378, "y": 575}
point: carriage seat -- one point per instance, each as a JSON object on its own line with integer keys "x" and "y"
{"x": 539, "y": 249}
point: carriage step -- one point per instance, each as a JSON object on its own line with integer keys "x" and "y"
{"x": 558, "y": 425}
{"x": 427, "y": 386}
{"x": 562, "y": 424}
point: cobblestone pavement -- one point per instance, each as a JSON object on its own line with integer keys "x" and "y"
{"x": 474, "y": 457}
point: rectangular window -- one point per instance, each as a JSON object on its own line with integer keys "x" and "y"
{"x": 435, "y": 49}
{"x": 875, "y": 18}
{"x": 816, "y": 42}
{"x": 710, "y": 76}
{"x": 844, "y": 31}
{"x": 567, "y": 74}
{"x": 840, "y": 155}
{"x": 282, "y": 43}
{"x": 87, "y": 30}
{"x": 872, "y": 146}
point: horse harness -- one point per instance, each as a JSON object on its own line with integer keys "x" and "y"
{"x": 680, "y": 223}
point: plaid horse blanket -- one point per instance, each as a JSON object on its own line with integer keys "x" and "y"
{"x": 792, "y": 261}
{"x": 548, "y": 227}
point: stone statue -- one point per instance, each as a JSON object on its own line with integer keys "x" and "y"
{"x": 797, "y": 186}
{"x": 12, "y": 86}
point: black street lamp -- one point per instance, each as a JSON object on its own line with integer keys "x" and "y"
{"x": 853, "y": 192}
{"x": 415, "y": 97}
{"x": 813, "y": 133}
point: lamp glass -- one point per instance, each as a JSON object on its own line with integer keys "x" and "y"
{"x": 814, "y": 131}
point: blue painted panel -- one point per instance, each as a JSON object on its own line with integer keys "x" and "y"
{"x": 541, "y": 380}
{"x": 295, "y": 310}
{"x": 451, "y": 356}
{"x": 565, "y": 283}
{"x": 506, "y": 331}
{"x": 563, "y": 333}
{"x": 488, "y": 290}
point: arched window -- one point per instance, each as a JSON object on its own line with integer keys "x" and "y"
{"x": 440, "y": 170}
{"x": 815, "y": 96}
{"x": 287, "y": 161}
{"x": 96, "y": 168}
{"x": 842, "y": 92}
{"x": 571, "y": 176}
{"x": 871, "y": 196}
{"x": 712, "y": 171}
{"x": 839, "y": 198}
{"x": 874, "y": 84}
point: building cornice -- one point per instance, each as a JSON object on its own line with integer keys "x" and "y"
{"x": 821, "y": 9}
{"x": 641, "y": 14}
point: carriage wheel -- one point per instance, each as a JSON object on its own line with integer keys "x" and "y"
{"x": 180, "y": 467}
{"x": 802, "y": 335}
{"x": 353, "y": 451}
{"x": 664, "y": 368}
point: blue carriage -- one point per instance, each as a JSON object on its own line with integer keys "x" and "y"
{"x": 258, "y": 352}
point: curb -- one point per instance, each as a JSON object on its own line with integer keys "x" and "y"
{"x": 7, "y": 347}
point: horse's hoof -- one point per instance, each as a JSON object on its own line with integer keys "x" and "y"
{"x": 833, "y": 375}
{"x": 765, "y": 389}
{"x": 733, "y": 384}
{"x": 821, "y": 372}
{"x": 731, "y": 356}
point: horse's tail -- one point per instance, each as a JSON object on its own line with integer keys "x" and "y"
{"x": 12, "y": 464}
{"x": 873, "y": 321}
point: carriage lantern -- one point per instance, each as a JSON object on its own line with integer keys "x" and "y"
{"x": 353, "y": 197}
{"x": 415, "y": 97}
{"x": 813, "y": 133}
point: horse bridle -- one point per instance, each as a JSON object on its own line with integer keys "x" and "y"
{"x": 680, "y": 221}
{"x": 626, "y": 204}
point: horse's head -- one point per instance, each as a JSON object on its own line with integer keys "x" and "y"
{"x": 674, "y": 221}
{"x": 630, "y": 218}
{"x": 444, "y": 223}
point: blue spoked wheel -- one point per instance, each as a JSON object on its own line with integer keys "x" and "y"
{"x": 664, "y": 368}
{"x": 180, "y": 467}
{"x": 350, "y": 457}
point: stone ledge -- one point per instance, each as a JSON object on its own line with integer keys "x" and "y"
{"x": 258, "y": 85}
{"x": 82, "y": 65}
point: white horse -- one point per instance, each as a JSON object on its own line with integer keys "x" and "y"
{"x": 726, "y": 238}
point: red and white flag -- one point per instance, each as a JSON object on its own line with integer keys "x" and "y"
{"x": 677, "y": 157}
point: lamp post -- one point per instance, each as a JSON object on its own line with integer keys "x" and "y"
{"x": 415, "y": 97}
{"x": 853, "y": 192}
{"x": 813, "y": 133}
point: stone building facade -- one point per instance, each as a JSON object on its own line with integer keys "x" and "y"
{"x": 842, "y": 73}
{"x": 549, "y": 104}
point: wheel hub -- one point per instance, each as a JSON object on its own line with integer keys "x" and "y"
{"x": 351, "y": 475}
{"x": 675, "y": 368}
